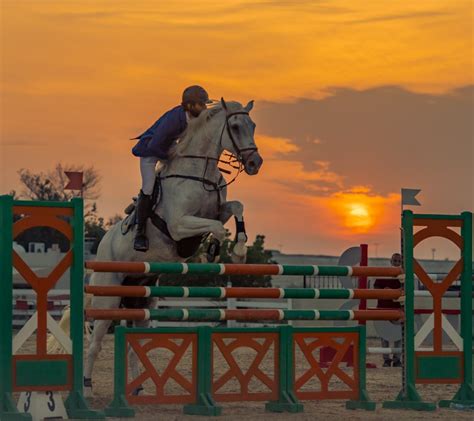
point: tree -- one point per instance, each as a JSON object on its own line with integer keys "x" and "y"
{"x": 113, "y": 220}
{"x": 49, "y": 186}
{"x": 94, "y": 227}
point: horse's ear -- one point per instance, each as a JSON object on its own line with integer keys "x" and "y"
{"x": 249, "y": 106}
{"x": 224, "y": 105}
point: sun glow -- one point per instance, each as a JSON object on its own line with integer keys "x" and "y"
{"x": 360, "y": 211}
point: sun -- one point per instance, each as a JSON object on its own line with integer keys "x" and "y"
{"x": 358, "y": 210}
{"x": 359, "y": 216}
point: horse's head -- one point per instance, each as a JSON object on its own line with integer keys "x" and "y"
{"x": 237, "y": 135}
{"x": 225, "y": 126}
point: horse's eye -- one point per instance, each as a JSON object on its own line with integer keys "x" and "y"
{"x": 235, "y": 127}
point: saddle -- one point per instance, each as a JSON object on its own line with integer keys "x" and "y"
{"x": 185, "y": 247}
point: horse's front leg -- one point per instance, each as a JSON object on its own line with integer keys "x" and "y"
{"x": 190, "y": 226}
{"x": 234, "y": 207}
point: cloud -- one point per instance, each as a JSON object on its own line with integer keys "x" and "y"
{"x": 83, "y": 16}
{"x": 320, "y": 7}
{"x": 275, "y": 50}
{"x": 401, "y": 16}
{"x": 384, "y": 138}
{"x": 14, "y": 143}
{"x": 291, "y": 174}
{"x": 275, "y": 146}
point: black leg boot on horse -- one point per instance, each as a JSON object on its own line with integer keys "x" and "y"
{"x": 143, "y": 212}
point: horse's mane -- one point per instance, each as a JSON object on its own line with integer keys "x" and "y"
{"x": 195, "y": 126}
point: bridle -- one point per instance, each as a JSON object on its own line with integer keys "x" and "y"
{"x": 232, "y": 158}
{"x": 231, "y": 137}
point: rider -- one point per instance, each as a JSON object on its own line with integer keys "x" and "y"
{"x": 154, "y": 144}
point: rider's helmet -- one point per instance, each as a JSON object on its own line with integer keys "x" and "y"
{"x": 195, "y": 95}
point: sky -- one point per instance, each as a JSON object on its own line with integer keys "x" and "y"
{"x": 353, "y": 101}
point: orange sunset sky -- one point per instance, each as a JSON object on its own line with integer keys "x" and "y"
{"x": 353, "y": 100}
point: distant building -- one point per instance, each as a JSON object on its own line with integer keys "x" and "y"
{"x": 42, "y": 261}
{"x": 431, "y": 266}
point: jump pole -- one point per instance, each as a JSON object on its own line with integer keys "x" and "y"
{"x": 241, "y": 269}
{"x": 235, "y": 292}
{"x": 243, "y": 315}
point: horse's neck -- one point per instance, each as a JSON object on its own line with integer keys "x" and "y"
{"x": 199, "y": 146}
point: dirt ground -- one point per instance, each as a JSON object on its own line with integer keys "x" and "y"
{"x": 382, "y": 384}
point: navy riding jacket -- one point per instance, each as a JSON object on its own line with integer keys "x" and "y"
{"x": 157, "y": 140}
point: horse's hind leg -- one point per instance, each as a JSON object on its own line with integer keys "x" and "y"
{"x": 99, "y": 331}
{"x": 133, "y": 358}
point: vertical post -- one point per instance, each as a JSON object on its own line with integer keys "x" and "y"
{"x": 8, "y": 409}
{"x": 205, "y": 404}
{"x": 287, "y": 400}
{"x": 465, "y": 394}
{"x": 409, "y": 322}
{"x": 75, "y": 404}
{"x": 364, "y": 261}
{"x": 77, "y": 292}
{"x": 363, "y": 401}
{"x": 231, "y": 304}
{"x": 119, "y": 406}
{"x": 289, "y": 306}
{"x": 466, "y": 303}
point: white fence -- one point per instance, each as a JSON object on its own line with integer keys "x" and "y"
{"x": 24, "y": 304}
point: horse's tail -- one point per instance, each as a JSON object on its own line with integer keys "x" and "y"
{"x": 53, "y": 345}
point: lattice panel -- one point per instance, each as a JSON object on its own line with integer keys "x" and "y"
{"x": 332, "y": 380}
{"x": 167, "y": 368}
{"x": 245, "y": 366}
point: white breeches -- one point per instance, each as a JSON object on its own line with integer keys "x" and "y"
{"x": 148, "y": 172}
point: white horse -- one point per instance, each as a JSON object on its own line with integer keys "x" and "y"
{"x": 192, "y": 203}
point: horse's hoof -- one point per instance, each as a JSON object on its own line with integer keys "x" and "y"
{"x": 213, "y": 250}
{"x": 137, "y": 391}
{"x": 239, "y": 253}
{"x": 238, "y": 259}
{"x": 87, "y": 389}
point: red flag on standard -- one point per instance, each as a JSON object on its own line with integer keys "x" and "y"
{"x": 75, "y": 180}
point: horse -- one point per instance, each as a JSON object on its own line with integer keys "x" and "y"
{"x": 191, "y": 204}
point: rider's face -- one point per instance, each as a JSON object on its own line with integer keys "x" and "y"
{"x": 196, "y": 109}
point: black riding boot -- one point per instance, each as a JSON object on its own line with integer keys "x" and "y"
{"x": 143, "y": 212}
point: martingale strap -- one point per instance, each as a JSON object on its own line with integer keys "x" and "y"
{"x": 192, "y": 177}
{"x": 160, "y": 223}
